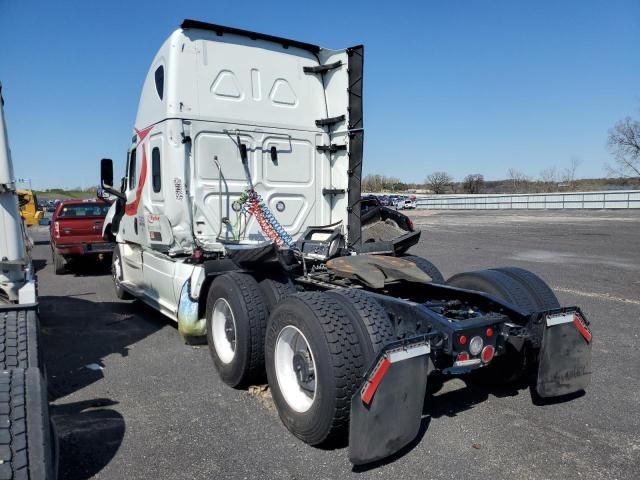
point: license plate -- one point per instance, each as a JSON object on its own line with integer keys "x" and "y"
{"x": 102, "y": 247}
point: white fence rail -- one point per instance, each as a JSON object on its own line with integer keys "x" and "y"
{"x": 538, "y": 201}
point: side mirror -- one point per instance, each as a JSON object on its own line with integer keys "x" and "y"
{"x": 106, "y": 172}
{"x": 102, "y": 193}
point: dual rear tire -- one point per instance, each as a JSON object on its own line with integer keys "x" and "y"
{"x": 314, "y": 347}
{"x": 236, "y": 316}
{"x": 317, "y": 348}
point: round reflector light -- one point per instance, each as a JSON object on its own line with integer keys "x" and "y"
{"x": 475, "y": 345}
{"x": 462, "y": 357}
{"x": 462, "y": 340}
{"x": 487, "y": 353}
{"x": 489, "y": 332}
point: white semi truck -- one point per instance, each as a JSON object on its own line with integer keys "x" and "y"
{"x": 27, "y": 449}
{"x": 239, "y": 217}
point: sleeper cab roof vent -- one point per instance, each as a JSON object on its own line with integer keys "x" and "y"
{"x": 221, "y": 30}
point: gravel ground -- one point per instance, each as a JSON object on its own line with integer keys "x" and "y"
{"x": 131, "y": 400}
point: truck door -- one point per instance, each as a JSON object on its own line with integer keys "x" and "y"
{"x": 129, "y": 225}
{"x": 158, "y": 270}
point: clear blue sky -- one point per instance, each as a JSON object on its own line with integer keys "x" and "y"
{"x": 462, "y": 86}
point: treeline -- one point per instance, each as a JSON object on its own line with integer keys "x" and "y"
{"x": 442, "y": 183}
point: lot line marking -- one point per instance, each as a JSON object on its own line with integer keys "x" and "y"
{"x": 601, "y": 296}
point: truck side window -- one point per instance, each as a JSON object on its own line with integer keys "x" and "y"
{"x": 132, "y": 170}
{"x": 160, "y": 81}
{"x": 155, "y": 170}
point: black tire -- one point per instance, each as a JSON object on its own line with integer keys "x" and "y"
{"x": 121, "y": 293}
{"x": 543, "y": 294}
{"x": 26, "y": 447}
{"x": 59, "y": 263}
{"x": 19, "y": 340}
{"x": 242, "y": 294}
{"x": 274, "y": 288}
{"x": 371, "y": 322}
{"x": 427, "y": 267}
{"x": 498, "y": 284}
{"x": 338, "y": 361}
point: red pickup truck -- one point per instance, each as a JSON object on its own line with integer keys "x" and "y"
{"x": 76, "y": 231}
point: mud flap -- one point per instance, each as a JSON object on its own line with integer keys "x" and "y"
{"x": 565, "y": 354}
{"x": 386, "y": 411}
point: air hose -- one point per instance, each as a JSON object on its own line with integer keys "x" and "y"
{"x": 253, "y": 204}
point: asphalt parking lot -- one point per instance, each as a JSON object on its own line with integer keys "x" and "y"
{"x": 131, "y": 400}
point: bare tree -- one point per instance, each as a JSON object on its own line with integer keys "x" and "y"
{"x": 473, "y": 183}
{"x": 624, "y": 145}
{"x": 438, "y": 182}
{"x": 549, "y": 175}
{"x": 569, "y": 174}
{"x": 549, "y": 179}
{"x": 519, "y": 181}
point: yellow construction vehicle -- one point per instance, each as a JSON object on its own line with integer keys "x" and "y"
{"x": 29, "y": 207}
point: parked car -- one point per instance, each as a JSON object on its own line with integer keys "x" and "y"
{"x": 76, "y": 231}
{"x": 399, "y": 203}
{"x": 51, "y": 206}
{"x": 408, "y": 204}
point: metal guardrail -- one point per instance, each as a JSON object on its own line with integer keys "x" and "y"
{"x": 575, "y": 200}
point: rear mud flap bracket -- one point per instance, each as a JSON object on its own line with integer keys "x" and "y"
{"x": 386, "y": 411}
{"x": 565, "y": 354}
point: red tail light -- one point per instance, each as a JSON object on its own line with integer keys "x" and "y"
{"x": 464, "y": 360}
{"x": 412, "y": 227}
{"x": 462, "y": 357}
{"x": 462, "y": 340}
{"x": 56, "y": 229}
{"x": 487, "y": 354}
{"x": 489, "y": 332}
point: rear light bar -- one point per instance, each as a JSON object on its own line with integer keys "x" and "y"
{"x": 463, "y": 360}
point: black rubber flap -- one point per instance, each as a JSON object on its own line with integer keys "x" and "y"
{"x": 565, "y": 358}
{"x": 392, "y": 419}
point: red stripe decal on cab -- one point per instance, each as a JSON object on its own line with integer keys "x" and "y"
{"x": 142, "y": 134}
{"x": 132, "y": 207}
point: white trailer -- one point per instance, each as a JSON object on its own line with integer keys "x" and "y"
{"x": 17, "y": 282}
{"x": 239, "y": 217}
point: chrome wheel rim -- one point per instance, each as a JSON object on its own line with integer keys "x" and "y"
{"x": 295, "y": 369}
{"x": 223, "y": 330}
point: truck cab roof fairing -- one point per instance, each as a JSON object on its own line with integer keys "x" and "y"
{"x": 221, "y": 30}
